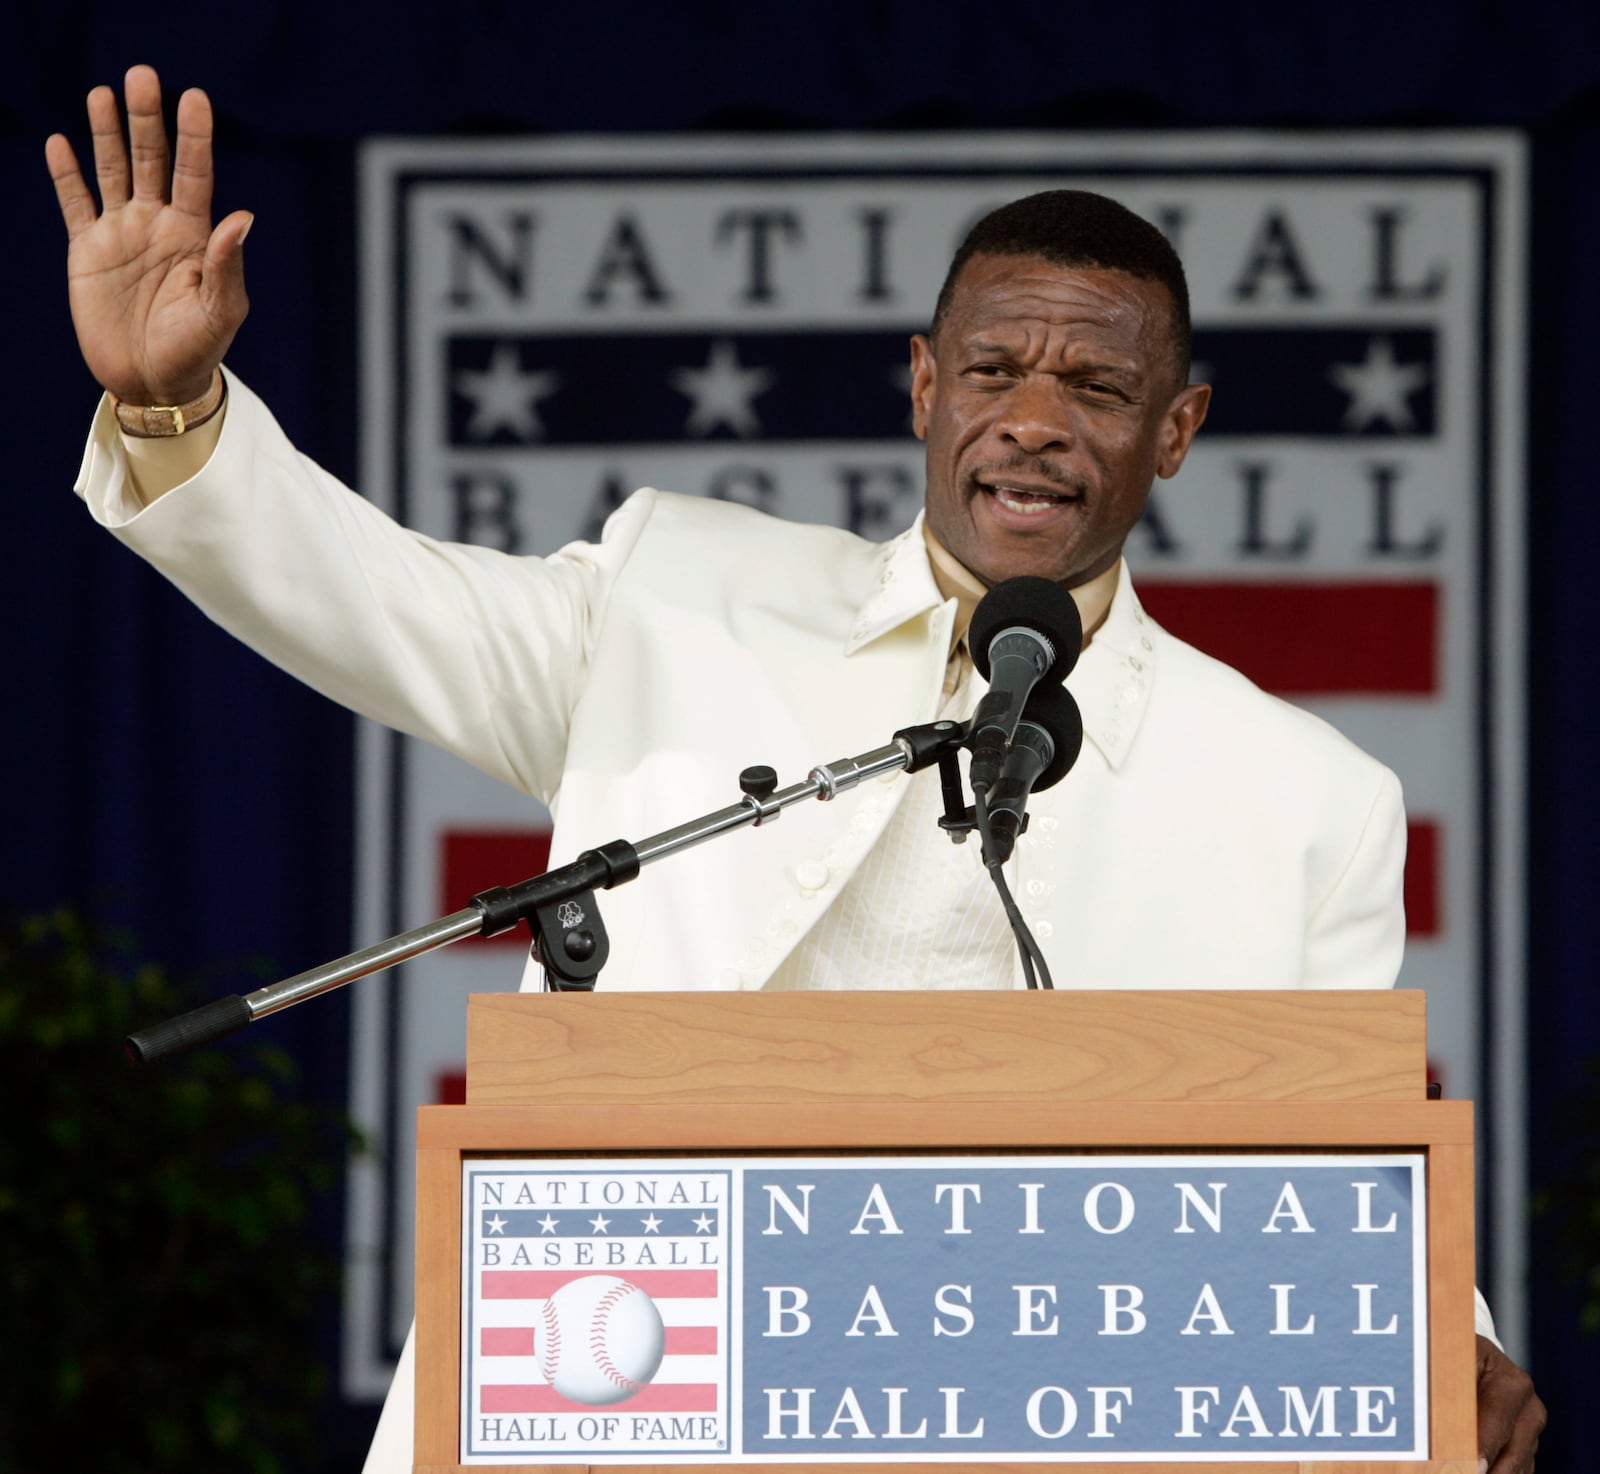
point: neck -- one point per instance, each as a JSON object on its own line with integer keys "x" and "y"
{"x": 957, "y": 581}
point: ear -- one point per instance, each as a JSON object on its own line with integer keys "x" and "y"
{"x": 924, "y": 371}
{"x": 1185, "y": 415}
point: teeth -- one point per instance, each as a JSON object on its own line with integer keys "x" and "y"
{"x": 1028, "y": 504}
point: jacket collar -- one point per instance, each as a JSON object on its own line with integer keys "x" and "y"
{"x": 903, "y": 588}
{"x": 1113, "y": 677}
{"x": 1111, "y": 681}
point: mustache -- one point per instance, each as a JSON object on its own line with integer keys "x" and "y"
{"x": 1034, "y": 468}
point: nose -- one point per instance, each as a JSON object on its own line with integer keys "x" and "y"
{"x": 1034, "y": 417}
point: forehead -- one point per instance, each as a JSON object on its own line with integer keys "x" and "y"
{"x": 1038, "y": 298}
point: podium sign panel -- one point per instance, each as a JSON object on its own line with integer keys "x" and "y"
{"x": 936, "y": 1308}
{"x": 1094, "y": 1231}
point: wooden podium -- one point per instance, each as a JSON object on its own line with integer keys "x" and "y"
{"x": 949, "y": 1072}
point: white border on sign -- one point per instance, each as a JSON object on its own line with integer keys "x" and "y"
{"x": 739, "y": 1167}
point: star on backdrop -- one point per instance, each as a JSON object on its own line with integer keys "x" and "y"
{"x": 1379, "y": 387}
{"x": 497, "y": 1224}
{"x": 505, "y": 396}
{"x": 547, "y": 1224}
{"x": 722, "y": 392}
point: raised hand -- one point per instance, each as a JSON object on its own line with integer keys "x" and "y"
{"x": 157, "y": 295}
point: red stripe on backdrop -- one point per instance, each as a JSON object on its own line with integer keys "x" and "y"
{"x": 540, "y": 1284}
{"x": 472, "y": 860}
{"x": 690, "y": 1397}
{"x": 1311, "y": 639}
{"x": 1424, "y": 912}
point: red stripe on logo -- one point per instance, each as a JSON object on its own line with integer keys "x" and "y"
{"x": 691, "y": 1341}
{"x": 1422, "y": 888}
{"x": 540, "y": 1284}
{"x": 507, "y": 1341}
{"x": 519, "y": 1341}
{"x": 1311, "y": 639}
{"x": 472, "y": 860}
{"x": 690, "y": 1397}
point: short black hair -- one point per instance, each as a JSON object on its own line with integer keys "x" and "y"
{"x": 1075, "y": 227}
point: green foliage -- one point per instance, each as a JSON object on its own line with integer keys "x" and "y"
{"x": 159, "y": 1277}
{"x": 1569, "y": 1206}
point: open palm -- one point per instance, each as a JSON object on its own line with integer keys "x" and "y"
{"x": 157, "y": 295}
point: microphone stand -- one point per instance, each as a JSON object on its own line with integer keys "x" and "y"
{"x": 559, "y": 906}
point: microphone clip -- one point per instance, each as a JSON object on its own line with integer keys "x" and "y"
{"x": 959, "y": 818}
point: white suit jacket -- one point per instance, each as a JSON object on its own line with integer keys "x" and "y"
{"x": 1210, "y": 836}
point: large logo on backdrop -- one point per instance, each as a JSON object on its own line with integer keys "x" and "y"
{"x": 549, "y": 326}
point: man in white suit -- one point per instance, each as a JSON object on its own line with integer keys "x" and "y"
{"x": 1212, "y": 836}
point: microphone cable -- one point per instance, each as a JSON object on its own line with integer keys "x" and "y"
{"x": 1027, "y": 947}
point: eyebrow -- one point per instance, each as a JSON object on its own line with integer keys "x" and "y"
{"x": 987, "y": 348}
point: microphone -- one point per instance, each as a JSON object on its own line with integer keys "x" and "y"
{"x": 1024, "y": 632}
{"x": 1047, "y": 743}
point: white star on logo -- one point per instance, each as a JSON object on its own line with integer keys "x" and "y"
{"x": 652, "y": 1224}
{"x": 703, "y": 1223}
{"x": 722, "y": 392}
{"x": 547, "y": 1224}
{"x": 504, "y": 395}
{"x": 600, "y": 1223}
{"x": 1379, "y": 387}
{"x": 497, "y": 1224}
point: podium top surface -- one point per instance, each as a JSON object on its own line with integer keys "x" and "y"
{"x": 638, "y": 1048}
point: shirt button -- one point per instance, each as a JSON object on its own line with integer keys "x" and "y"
{"x": 811, "y": 875}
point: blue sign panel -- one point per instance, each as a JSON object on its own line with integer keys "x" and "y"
{"x": 967, "y": 1309}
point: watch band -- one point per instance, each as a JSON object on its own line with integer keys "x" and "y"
{"x": 152, "y": 421}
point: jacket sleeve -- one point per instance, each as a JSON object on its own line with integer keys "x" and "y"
{"x": 480, "y": 652}
{"x": 1356, "y": 933}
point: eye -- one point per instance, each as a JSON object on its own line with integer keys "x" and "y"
{"x": 1100, "y": 389}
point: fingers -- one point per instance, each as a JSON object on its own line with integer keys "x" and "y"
{"x": 77, "y": 204}
{"x": 110, "y": 157}
{"x": 147, "y": 134}
{"x": 191, "y": 171}
{"x": 1510, "y": 1415}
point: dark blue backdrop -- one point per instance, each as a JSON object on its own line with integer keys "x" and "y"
{"x": 162, "y": 777}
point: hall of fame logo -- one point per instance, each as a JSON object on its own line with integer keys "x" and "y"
{"x": 597, "y": 1311}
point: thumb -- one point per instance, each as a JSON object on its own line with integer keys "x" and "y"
{"x": 222, "y": 272}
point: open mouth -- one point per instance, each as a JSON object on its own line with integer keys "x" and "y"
{"x": 1027, "y": 500}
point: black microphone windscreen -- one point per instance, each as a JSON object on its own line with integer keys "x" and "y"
{"x": 1053, "y": 708}
{"x": 1036, "y": 604}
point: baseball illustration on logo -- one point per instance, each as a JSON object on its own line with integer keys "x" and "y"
{"x": 603, "y": 1339}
